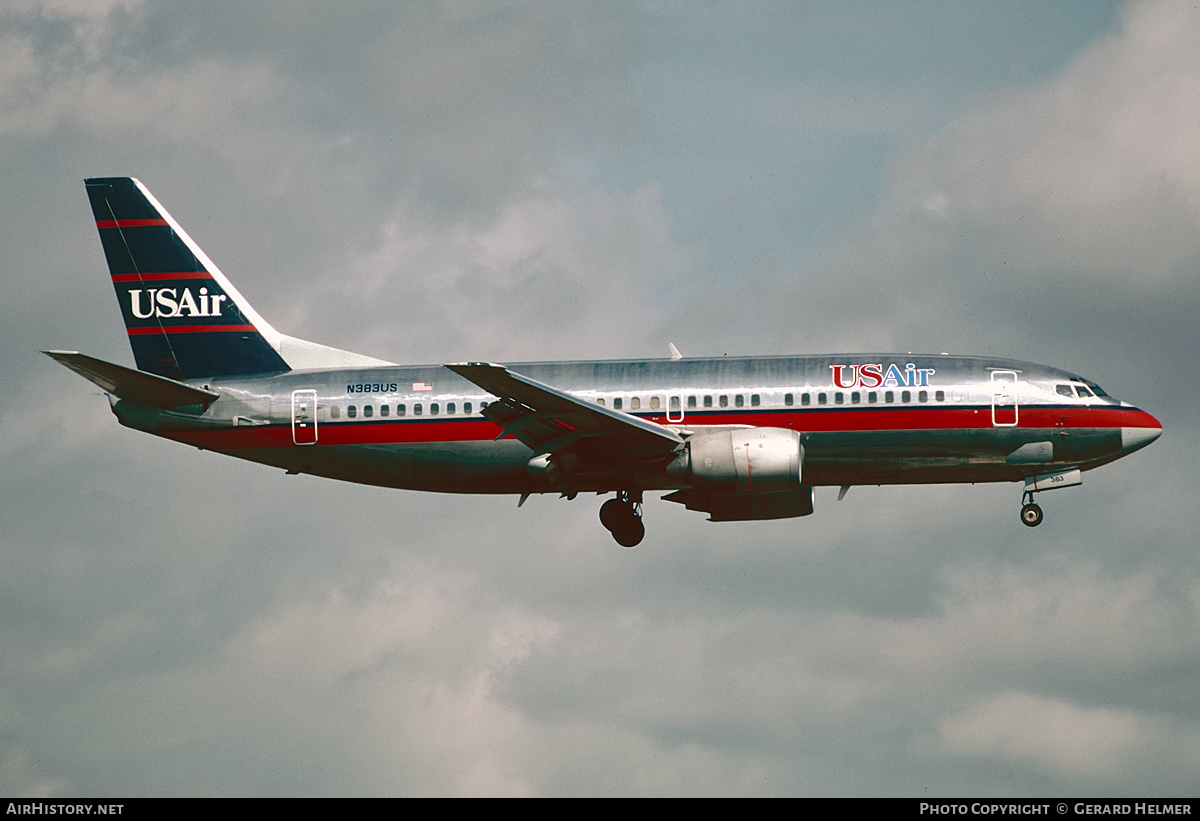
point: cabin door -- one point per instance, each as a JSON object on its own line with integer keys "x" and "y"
{"x": 304, "y": 417}
{"x": 675, "y": 408}
{"x": 1004, "y": 399}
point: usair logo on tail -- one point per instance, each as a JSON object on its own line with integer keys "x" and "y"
{"x": 169, "y": 303}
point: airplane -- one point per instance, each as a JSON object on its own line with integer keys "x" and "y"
{"x": 739, "y": 438}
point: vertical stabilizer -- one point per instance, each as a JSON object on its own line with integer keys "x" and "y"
{"x": 184, "y": 318}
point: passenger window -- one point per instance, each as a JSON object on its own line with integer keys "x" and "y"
{"x": 923, "y": 396}
{"x": 400, "y": 409}
{"x": 675, "y": 406}
{"x": 368, "y": 411}
{"x": 635, "y": 403}
{"x": 335, "y": 412}
{"x": 739, "y": 400}
{"x": 889, "y": 397}
{"x": 839, "y": 399}
{"x": 450, "y": 407}
{"x": 383, "y": 410}
{"x": 417, "y": 409}
{"x": 691, "y": 403}
{"x": 708, "y": 401}
{"x": 433, "y": 409}
{"x": 655, "y": 403}
{"x": 939, "y": 396}
{"x": 788, "y": 399}
{"x": 872, "y": 397}
{"x": 754, "y": 400}
{"x": 723, "y": 401}
{"x": 805, "y": 399}
{"x": 352, "y": 411}
{"x": 821, "y": 398}
{"x": 617, "y": 402}
{"x": 855, "y": 398}
{"x": 467, "y": 406}
{"x": 599, "y": 400}
{"x": 906, "y": 396}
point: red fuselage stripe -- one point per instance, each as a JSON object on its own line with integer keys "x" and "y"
{"x": 163, "y": 275}
{"x": 932, "y": 420}
{"x": 192, "y": 329}
{"x": 129, "y": 223}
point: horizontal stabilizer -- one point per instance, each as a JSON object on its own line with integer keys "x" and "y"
{"x": 134, "y": 386}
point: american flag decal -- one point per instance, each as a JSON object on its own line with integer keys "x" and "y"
{"x": 422, "y": 386}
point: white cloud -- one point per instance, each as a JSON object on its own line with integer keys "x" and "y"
{"x": 1108, "y": 749}
{"x": 406, "y": 671}
{"x": 18, "y": 777}
{"x": 85, "y": 80}
{"x": 1096, "y": 170}
{"x": 559, "y": 273}
{"x": 1028, "y": 625}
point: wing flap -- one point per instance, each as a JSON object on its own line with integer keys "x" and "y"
{"x": 134, "y": 386}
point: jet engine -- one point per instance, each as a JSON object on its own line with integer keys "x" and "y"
{"x": 754, "y": 460}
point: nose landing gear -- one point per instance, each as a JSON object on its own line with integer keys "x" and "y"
{"x": 1031, "y": 514}
{"x": 622, "y": 517}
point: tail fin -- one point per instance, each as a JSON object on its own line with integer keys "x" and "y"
{"x": 185, "y": 319}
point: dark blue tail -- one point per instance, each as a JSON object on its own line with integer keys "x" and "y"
{"x": 185, "y": 319}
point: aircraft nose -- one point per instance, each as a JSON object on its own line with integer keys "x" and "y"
{"x": 1135, "y": 438}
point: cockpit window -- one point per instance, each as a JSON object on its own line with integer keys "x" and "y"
{"x": 1088, "y": 388}
{"x": 1065, "y": 390}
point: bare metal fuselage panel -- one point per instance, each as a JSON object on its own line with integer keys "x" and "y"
{"x": 947, "y": 427}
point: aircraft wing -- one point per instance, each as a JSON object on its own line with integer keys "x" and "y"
{"x": 549, "y": 420}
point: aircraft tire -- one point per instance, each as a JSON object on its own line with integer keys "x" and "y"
{"x": 630, "y": 534}
{"x": 1031, "y": 515}
{"x": 613, "y": 514}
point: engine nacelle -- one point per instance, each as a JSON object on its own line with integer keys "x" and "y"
{"x": 754, "y": 460}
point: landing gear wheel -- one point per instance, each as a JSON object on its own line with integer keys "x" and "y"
{"x": 613, "y": 513}
{"x": 1031, "y": 515}
{"x": 622, "y": 517}
{"x": 630, "y": 534}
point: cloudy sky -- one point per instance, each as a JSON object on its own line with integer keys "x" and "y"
{"x": 443, "y": 181}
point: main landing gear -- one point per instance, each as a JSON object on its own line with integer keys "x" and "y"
{"x": 622, "y": 517}
{"x": 1031, "y": 514}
